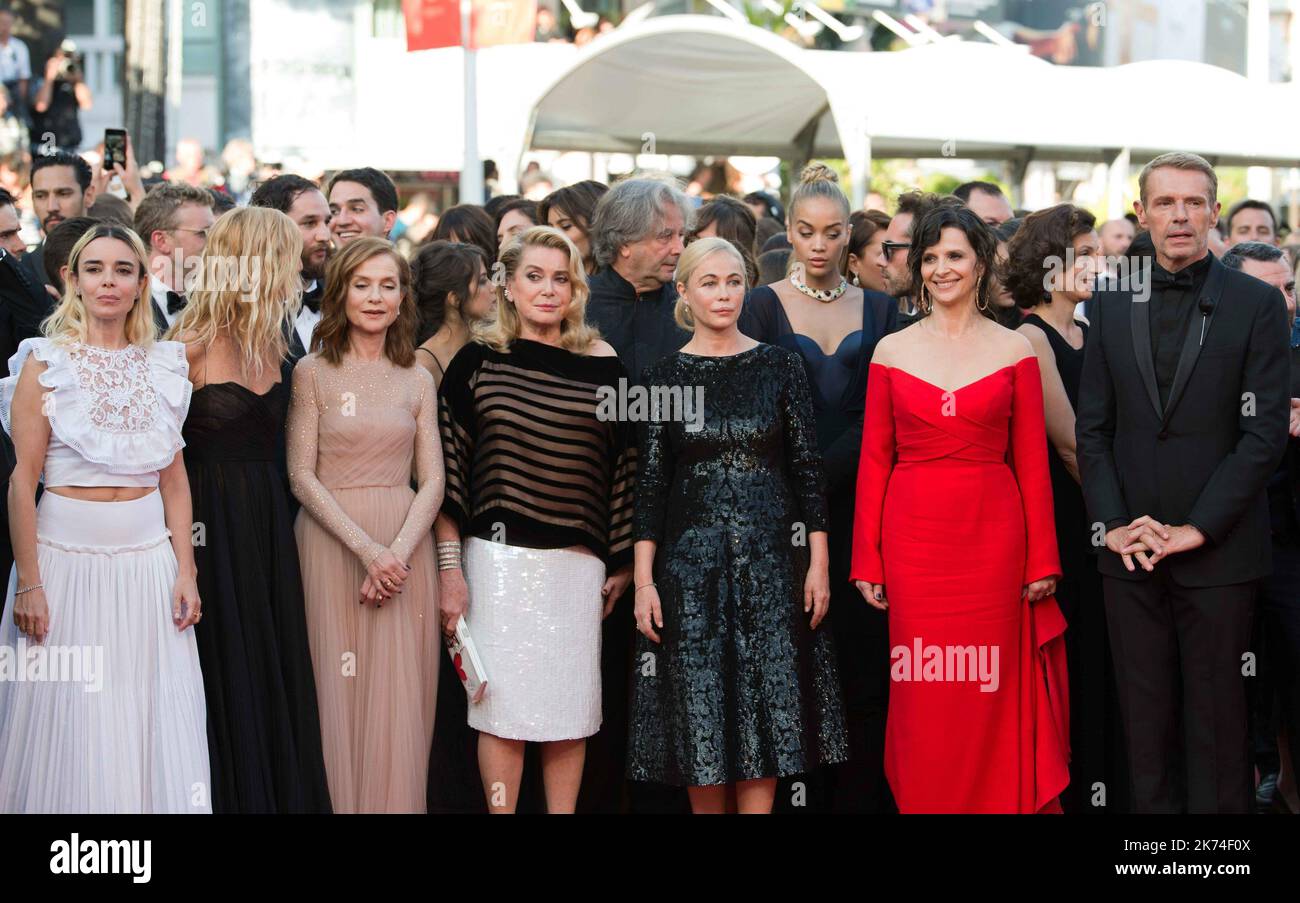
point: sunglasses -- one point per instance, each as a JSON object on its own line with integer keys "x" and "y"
{"x": 889, "y": 247}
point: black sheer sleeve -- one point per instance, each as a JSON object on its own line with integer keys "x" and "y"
{"x": 456, "y": 424}
{"x": 803, "y": 459}
{"x": 758, "y": 318}
{"x": 654, "y": 471}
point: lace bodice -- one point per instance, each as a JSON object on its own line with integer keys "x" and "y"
{"x": 115, "y": 415}
{"x": 115, "y": 387}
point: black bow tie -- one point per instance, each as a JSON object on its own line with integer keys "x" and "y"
{"x": 1183, "y": 279}
{"x": 311, "y": 299}
{"x": 175, "y": 303}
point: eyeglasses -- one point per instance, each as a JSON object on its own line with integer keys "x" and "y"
{"x": 201, "y": 233}
{"x": 889, "y": 247}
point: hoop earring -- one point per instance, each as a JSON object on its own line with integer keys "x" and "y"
{"x": 924, "y": 303}
{"x": 981, "y": 302}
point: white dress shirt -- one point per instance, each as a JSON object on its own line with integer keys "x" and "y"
{"x": 15, "y": 64}
{"x": 307, "y": 320}
{"x": 158, "y": 290}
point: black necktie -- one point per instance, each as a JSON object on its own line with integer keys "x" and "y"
{"x": 311, "y": 299}
{"x": 1181, "y": 280}
{"x": 175, "y": 303}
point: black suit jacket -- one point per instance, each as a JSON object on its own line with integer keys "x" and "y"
{"x": 296, "y": 350}
{"x": 1207, "y": 457}
{"x": 24, "y": 303}
{"x": 159, "y": 318}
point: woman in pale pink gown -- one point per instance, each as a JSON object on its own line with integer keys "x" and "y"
{"x": 363, "y": 417}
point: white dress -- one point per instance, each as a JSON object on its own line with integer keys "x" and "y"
{"x": 108, "y": 714}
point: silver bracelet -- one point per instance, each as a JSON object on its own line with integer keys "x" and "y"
{"x": 642, "y": 586}
{"x": 28, "y": 589}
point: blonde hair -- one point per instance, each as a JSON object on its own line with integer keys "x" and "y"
{"x": 218, "y": 302}
{"x": 68, "y": 323}
{"x": 1179, "y": 160}
{"x": 819, "y": 181}
{"x": 689, "y": 262}
{"x": 503, "y": 326}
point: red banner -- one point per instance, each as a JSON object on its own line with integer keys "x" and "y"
{"x": 431, "y": 23}
{"x": 436, "y": 23}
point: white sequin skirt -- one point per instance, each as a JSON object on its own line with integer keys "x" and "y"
{"x": 108, "y": 714}
{"x": 534, "y": 615}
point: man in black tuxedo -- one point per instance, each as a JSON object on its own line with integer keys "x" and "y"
{"x": 303, "y": 202}
{"x": 1183, "y": 410}
{"x": 173, "y": 221}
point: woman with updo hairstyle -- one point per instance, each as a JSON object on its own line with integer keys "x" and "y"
{"x": 955, "y": 539}
{"x": 1052, "y": 263}
{"x": 726, "y": 217}
{"x": 453, "y": 291}
{"x": 745, "y": 689}
{"x": 535, "y": 535}
{"x": 866, "y": 232}
{"x": 570, "y": 209}
{"x": 833, "y": 327}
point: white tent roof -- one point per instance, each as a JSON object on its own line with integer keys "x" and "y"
{"x": 705, "y": 85}
{"x": 702, "y": 84}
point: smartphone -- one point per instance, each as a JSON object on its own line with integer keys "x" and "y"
{"x": 114, "y": 148}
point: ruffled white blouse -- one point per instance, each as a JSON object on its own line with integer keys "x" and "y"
{"x": 115, "y": 416}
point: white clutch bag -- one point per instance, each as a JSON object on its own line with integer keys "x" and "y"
{"x": 465, "y": 658}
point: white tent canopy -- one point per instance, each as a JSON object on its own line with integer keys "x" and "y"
{"x": 701, "y": 84}
{"x": 704, "y": 85}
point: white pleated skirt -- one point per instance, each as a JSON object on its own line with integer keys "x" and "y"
{"x": 114, "y": 720}
{"x": 534, "y": 615}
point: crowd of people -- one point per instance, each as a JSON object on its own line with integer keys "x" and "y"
{"x": 742, "y": 506}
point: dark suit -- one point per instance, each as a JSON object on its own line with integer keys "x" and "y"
{"x": 24, "y": 303}
{"x": 159, "y": 319}
{"x": 1203, "y": 458}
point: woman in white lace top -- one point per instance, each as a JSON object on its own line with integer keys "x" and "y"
{"x": 108, "y": 713}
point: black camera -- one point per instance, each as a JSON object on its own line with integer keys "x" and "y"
{"x": 74, "y": 61}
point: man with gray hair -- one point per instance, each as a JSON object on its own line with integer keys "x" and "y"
{"x": 637, "y": 233}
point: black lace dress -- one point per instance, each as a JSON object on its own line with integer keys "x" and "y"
{"x": 741, "y": 687}
{"x": 264, "y": 738}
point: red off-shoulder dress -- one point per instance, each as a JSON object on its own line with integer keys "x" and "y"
{"x": 954, "y": 517}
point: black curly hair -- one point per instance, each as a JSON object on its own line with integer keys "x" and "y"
{"x": 926, "y": 233}
{"x": 1043, "y": 237}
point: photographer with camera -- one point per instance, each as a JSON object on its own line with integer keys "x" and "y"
{"x": 59, "y": 100}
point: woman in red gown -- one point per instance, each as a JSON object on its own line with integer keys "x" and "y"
{"x": 954, "y": 536}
